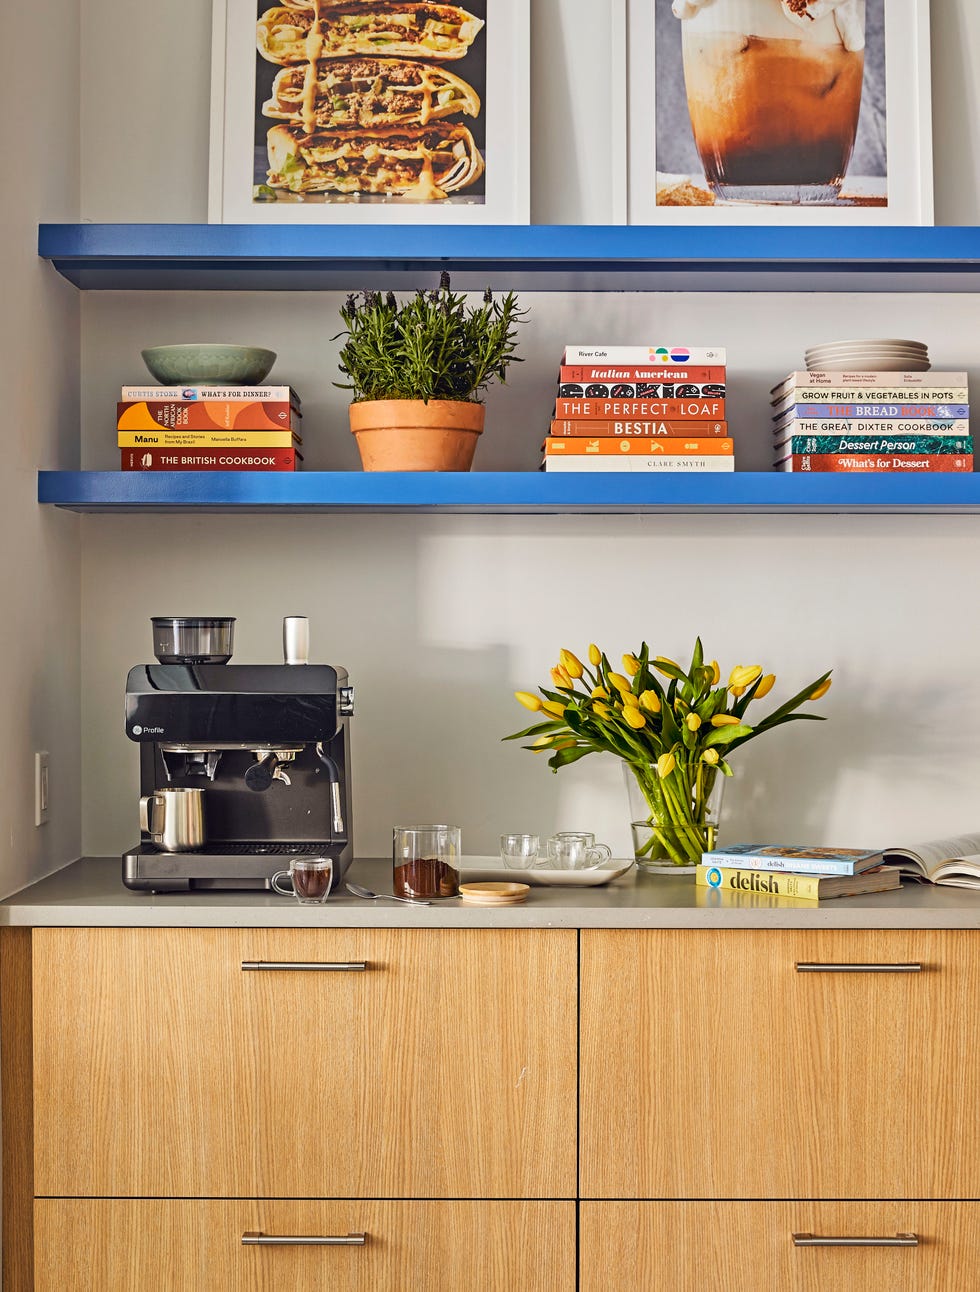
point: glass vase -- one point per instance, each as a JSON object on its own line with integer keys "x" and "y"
{"x": 673, "y": 819}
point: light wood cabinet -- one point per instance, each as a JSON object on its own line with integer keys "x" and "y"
{"x": 712, "y": 1067}
{"x": 101, "y": 1245}
{"x": 444, "y": 1068}
{"x": 831, "y": 1067}
{"x": 748, "y": 1246}
{"x": 166, "y": 1091}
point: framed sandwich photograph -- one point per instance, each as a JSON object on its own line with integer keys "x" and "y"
{"x": 370, "y": 111}
{"x": 778, "y": 112}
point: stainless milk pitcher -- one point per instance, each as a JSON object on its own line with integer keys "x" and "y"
{"x": 174, "y": 819}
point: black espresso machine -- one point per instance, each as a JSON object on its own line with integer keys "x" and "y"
{"x": 269, "y": 744}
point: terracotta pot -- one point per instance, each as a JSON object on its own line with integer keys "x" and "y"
{"x": 410, "y": 435}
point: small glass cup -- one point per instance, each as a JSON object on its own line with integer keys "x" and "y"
{"x": 309, "y": 879}
{"x": 573, "y": 850}
{"x": 584, "y": 835}
{"x": 519, "y": 851}
{"x": 425, "y": 860}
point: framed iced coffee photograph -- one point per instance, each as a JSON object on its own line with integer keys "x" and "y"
{"x": 778, "y": 112}
{"x": 369, "y": 112}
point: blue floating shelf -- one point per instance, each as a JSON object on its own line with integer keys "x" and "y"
{"x": 518, "y": 492}
{"x": 209, "y": 257}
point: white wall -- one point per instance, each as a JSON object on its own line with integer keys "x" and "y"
{"x": 440, "y": 618}
{"x": 39, "y": 568}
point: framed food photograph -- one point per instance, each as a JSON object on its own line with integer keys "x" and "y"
{"x": 778, "y": 112}
{"x": 370, "y": 111}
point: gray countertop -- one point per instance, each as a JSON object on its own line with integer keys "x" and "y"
{"x": 90, "y": 892}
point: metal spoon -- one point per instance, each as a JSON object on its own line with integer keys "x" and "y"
{"x": 360, "y": 891}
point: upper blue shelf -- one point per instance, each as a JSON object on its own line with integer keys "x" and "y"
{"x": 236, "y": 257}
{"x": 489, "y": 492}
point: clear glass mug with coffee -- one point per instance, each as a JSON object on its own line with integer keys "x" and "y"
{"x": 773, "y": 93}
{"x": 308, "y": 879}
{"x": 425, "y": 860}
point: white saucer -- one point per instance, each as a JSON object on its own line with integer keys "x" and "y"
{"x": 481, "y": 869}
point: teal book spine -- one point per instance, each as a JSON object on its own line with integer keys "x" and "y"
{"x": 877, "y": 444}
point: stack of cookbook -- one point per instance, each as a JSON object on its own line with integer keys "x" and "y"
{"x": 639, "y": 408}
{"x": 790, "y": 870}
{"x": 209, "y": 428}
{"x": 858, "y": 417}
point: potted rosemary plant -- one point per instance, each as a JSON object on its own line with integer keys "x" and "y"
{"x": 417, "y": 371}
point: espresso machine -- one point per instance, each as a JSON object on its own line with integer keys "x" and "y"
{"x": 268, "y": 743}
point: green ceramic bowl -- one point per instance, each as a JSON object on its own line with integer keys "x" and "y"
{"x": 215, "y": 365}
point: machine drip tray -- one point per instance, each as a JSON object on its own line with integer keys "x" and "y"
{"x": 216, "y": 865}
{"x": 231, "y": 850}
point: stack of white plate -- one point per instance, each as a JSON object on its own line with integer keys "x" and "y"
{"x": 889, "y": 355}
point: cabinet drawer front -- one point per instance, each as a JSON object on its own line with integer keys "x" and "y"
{"x": 445, "y": 1068}
{"x": 748, "y": 1246}
{"x": 143, "y": 1064}
{"x": 104, "y": 1245}
{"x": 716, "y": 1069}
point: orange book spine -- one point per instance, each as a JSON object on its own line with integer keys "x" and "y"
{"x": 568, "y": 446}
{"x": 604, "y": 409}
{"x": 205, "y": 415}
{"x": 621, "y": 429}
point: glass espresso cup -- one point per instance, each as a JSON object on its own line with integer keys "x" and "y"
{"x": 572, "y": 850}
{"x": 308, "y": 879}
{"x": 519, "y": 851}
{"x": 773, "y": 100}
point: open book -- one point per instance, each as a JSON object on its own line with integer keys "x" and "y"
{"x": 943, "y": 861}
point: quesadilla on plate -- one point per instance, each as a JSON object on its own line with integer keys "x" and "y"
{"x": 368, "y": 92}
{"x": 302, "y": 34}
{"x": 423, "y": 164}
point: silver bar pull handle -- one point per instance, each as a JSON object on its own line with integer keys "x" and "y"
{"x": 818, "y": 1240}
{"x": 308, "y": 966}
{"x": 252, "y": 1239}
{"x": 808, "y": 966}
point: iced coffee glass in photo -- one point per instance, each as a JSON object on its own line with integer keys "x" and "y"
{"x": 774, "y": 94}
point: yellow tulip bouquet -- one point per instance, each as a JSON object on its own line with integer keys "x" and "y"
{"x": 674, "y": 736}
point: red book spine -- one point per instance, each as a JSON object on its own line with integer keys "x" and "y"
{"x": 626, "y": 429}
{"x": 210, "y": 459}
{"x": 580, "y": 373}
{"x": 909, "y": 463}
{"x": 643, "y": 409}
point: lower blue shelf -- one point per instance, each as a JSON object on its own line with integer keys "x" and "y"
{"x": 504, "y": 491}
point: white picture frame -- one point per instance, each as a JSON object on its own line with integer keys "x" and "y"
{"x": 497, "y": 64}
{"x": 903, "y": 195}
